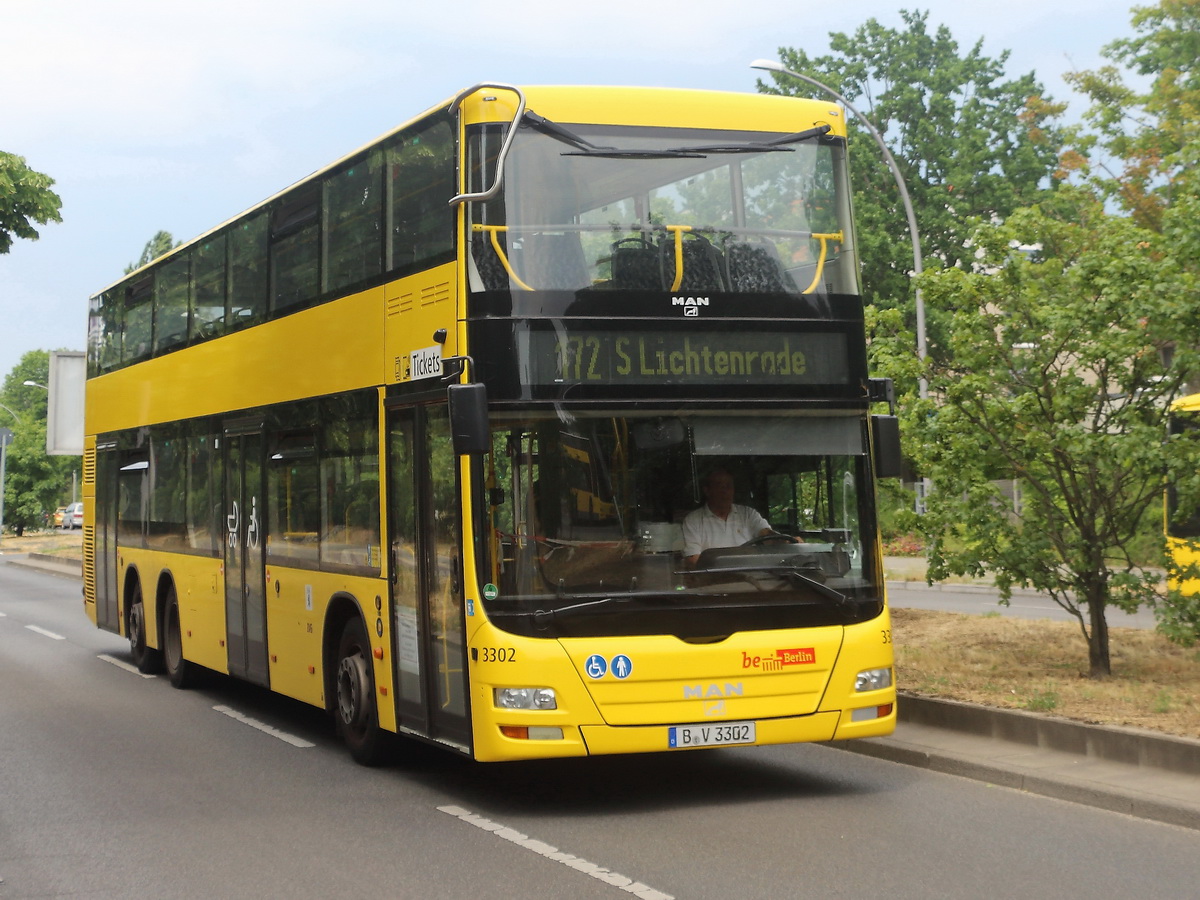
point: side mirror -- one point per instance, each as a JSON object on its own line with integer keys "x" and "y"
{"x": 885, "y": 441}
{"x": 469, "y": 418}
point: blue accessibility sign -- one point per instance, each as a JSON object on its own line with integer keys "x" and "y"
{"x": 596, "y": 666}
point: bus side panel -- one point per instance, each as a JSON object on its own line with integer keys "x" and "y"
{"x": 200, "y": 592}
{"x": 200, "y": 587}
{"x": 298, "y": 602}
{"x": 418, "y": 306}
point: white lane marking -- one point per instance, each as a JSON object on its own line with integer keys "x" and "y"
{"x": 43, "y": 631}
{"x": 574, "y": 862}
{"x": 121, "y": 664}
{"x": 264, "y": 727}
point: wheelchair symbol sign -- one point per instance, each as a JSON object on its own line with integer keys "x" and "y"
{"x": 595, "y": 666}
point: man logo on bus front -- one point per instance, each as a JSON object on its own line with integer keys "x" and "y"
{"x": 691, "y": 305}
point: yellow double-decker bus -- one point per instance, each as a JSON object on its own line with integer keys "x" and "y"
{"x": 415, "y": 439}
{"x": 1182, "y": 527}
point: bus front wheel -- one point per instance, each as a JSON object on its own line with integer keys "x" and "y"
{"x": 354, "y": 707}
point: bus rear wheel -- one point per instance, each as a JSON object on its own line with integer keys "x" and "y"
{"x": 182, "y": 673}
{"x": 146, "y": 658}
{"x": 354, "y": 697}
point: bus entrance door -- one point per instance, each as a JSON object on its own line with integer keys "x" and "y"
{"x": 245, "y": 594}
{"x": 426, "y": 579}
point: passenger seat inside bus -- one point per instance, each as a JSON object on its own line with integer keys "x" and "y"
{"x": 635, "y": 266}
{"x": 551, "y": 262}
{"x": 755, "y": 267}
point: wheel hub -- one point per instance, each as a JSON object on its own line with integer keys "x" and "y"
{"x": 351, "y": 686}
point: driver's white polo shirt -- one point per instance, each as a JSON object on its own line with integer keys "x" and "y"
{"x": 703, "y": 529}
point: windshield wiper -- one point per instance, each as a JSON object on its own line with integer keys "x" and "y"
{"x": 613, "y": 153}
{"x": 543, "y": 617}
{"x": 587, "y": 148}
{"x": 789, "y": 571}
{"x": 773, "y": 145}
{"x": 558, "y": 132}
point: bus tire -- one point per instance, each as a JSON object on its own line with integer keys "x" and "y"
{"x": 183, "y": 674}
{"x": 147, "y": 660}
{"x": 354, "y": 697}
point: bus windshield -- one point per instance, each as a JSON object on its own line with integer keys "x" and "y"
{"x": 652, "y": 209}
{"x": 593, "y": 529}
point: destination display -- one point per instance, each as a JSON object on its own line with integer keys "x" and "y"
{"x": 688, "y": 358}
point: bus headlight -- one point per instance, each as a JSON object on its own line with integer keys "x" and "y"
{"x": 525, "y": 698}
{"x": 873, "y": 680}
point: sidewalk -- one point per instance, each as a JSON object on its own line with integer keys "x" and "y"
{"x": 1140, "y": 773}
{"x": 58, "y": 565}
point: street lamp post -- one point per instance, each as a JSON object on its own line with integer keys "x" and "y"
{"x": 771, "y": 65}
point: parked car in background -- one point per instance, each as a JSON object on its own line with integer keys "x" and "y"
{"x": 73, "y": 516}
{"x": 58, "y": 516}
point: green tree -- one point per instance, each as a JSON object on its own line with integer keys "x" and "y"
{"x": 1054, "y": 377}
{"x": 1147, "y": 134}
{"x": 969, "y": 142}
{"x": 161, "y": 243}
{"x": 35, "y": 482}
{"x": 25, "y": 198}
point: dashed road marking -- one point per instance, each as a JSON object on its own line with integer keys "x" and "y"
{"x": 264, "y": 727}
{"x": 121, "y": 664}
{"x": 628, "y": 885}
{"x": 43, "y": 631}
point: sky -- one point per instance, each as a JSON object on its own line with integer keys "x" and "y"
{"x": 154, "y": 115}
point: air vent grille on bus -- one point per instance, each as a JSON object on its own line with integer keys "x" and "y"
{"x": 89, "y": 563}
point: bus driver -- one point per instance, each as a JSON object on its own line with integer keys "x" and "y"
{"x": 720, "y": 522}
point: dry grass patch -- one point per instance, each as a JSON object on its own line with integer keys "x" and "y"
{"x": 1039, "y": 665}
{"x": 68, "y": 544}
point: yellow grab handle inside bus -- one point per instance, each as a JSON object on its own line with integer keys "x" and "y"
{"x": 493, "y": 231}
{"x": 824, "y": 239}
{"x": 678, "y": 230}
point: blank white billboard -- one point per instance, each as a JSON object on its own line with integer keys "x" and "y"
{"x": 64, "y": 421}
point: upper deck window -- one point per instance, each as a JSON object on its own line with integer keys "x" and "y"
{"x": 621, "y": 208}
{"x": 295, "y": 239}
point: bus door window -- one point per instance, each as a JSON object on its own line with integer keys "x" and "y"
{"x": 426, "y": 547}
{"x": 445, "y": 583}
{"x": 245, "y": 587}
{"x": 405, "y": 569}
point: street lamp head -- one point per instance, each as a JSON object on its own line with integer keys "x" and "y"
{"x": 770, "y": 65}
{"x": 35, "y": 384}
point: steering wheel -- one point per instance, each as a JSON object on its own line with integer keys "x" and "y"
{"x": 766, "y": 538}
